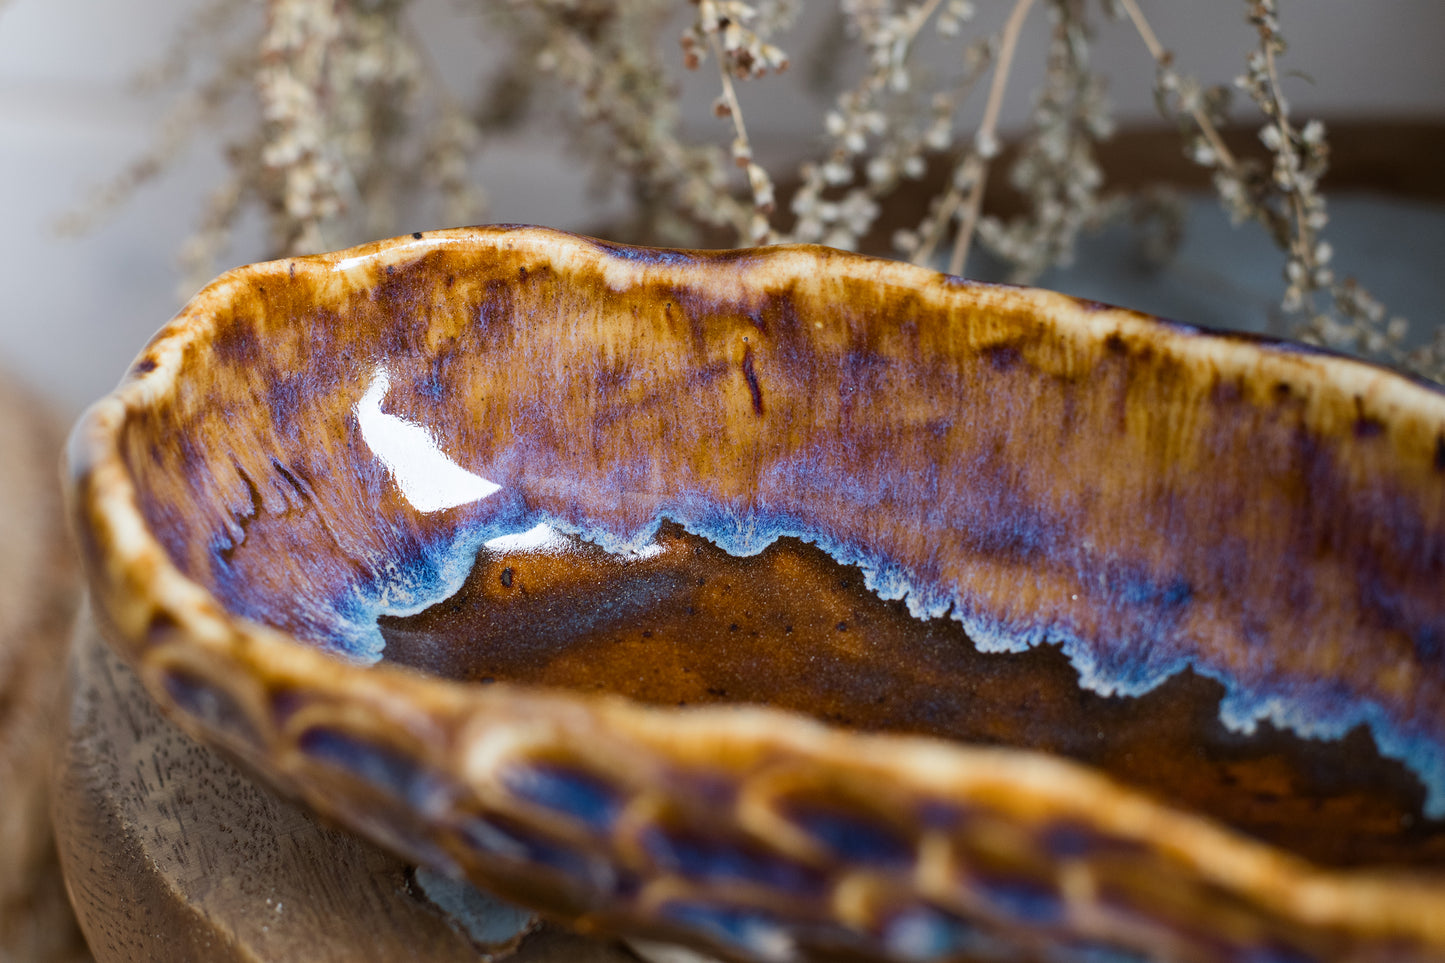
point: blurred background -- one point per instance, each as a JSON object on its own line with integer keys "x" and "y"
{"x": 79, "y": 307}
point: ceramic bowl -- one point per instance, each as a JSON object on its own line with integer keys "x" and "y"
{"x": 793, "y": 604}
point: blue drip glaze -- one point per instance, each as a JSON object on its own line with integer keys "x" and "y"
{"x": 1276, "y": 953}
{"x": 646, "y": 255}
{"x": 210, "y": 704}
{"x": 388, "y": 770}
{"x": 510, "y": 841}
{"x": 1024, "y": 900}
{"x": 922, "y": 934}
{"x": 403, "y": 587}
{"x": 699, "y": 857}
{"x": 1093, "y": 953}
{"x": 746, "y": 530}
{"x": 853, "y": 837}
{"x": 583, "y": 797}
{"x": 752, "y": 930}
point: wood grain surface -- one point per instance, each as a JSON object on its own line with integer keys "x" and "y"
{"x": 172, "y": 853}
{"x": 37, "y": 585}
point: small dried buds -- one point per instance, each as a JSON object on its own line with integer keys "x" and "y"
{"x": 1300, "y": 157}
{"x": 1283, "y": 196}
{"x": 736, "y": 34}
{"x": 352, "y": 120}
{"x": 884, "y": 125}
{"x": 1056, "y": 169}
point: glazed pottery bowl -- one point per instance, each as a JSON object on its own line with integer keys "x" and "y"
{"x": 792, "y": 604}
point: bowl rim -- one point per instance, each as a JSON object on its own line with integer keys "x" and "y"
{"x": 162, "y": 621}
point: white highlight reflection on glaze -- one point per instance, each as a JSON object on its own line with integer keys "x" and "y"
{"x": 544, "y": 538}
{"x": 646, "y": 551}
{"x": 428, "y": 479}
{"x": 371, "y": 259}
{"x": 538, "y": 538}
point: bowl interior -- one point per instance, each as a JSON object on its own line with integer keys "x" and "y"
{"x": 868, "y": 494}
{"x": 685, "y": 623}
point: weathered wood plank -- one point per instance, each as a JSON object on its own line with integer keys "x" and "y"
{"x": 37, "y": 586}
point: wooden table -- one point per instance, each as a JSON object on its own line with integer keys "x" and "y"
{"x": 37, "y": 597}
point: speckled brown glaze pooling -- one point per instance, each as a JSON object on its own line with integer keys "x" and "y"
{"x": 790, "y": 628}
{"x": 1145, "y": 494}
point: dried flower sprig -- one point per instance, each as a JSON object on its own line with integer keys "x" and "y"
{"x": 885, "y": 108}
{"x": 1283, "y": 197}
{"x": 921, "y": 243}
{"x": 608, "y": 63}
{"x": 1056, "y": 169}
{"x": 353, "y": 122}
{"x": 974, "y": 171}
{"x": 331, "y": 84}
{"x": 740, "y": 51}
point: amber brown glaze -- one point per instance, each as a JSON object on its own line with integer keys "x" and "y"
{"x": 1145, "y": 495}
{"x": 793, "y": 629}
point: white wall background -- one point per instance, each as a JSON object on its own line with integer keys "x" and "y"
{"x": 75, "y": 311}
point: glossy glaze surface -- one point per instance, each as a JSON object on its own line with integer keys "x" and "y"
{"x": 1036, "y": 484}
{"x": 684, "y": 623}
{"x": 320, "y": 444}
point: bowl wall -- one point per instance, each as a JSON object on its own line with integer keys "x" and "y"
{"x": 320, "y": 443}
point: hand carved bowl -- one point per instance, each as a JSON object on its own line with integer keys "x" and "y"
{"x": 792, "y": 604}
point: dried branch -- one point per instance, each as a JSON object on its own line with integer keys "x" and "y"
{"x": 354, "y": 119}
{"x": 743, "y": 53}
{"x": 1055, "y": 168}
{"x": 985, "y": 143}
{"x": 1164, "y": 60}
